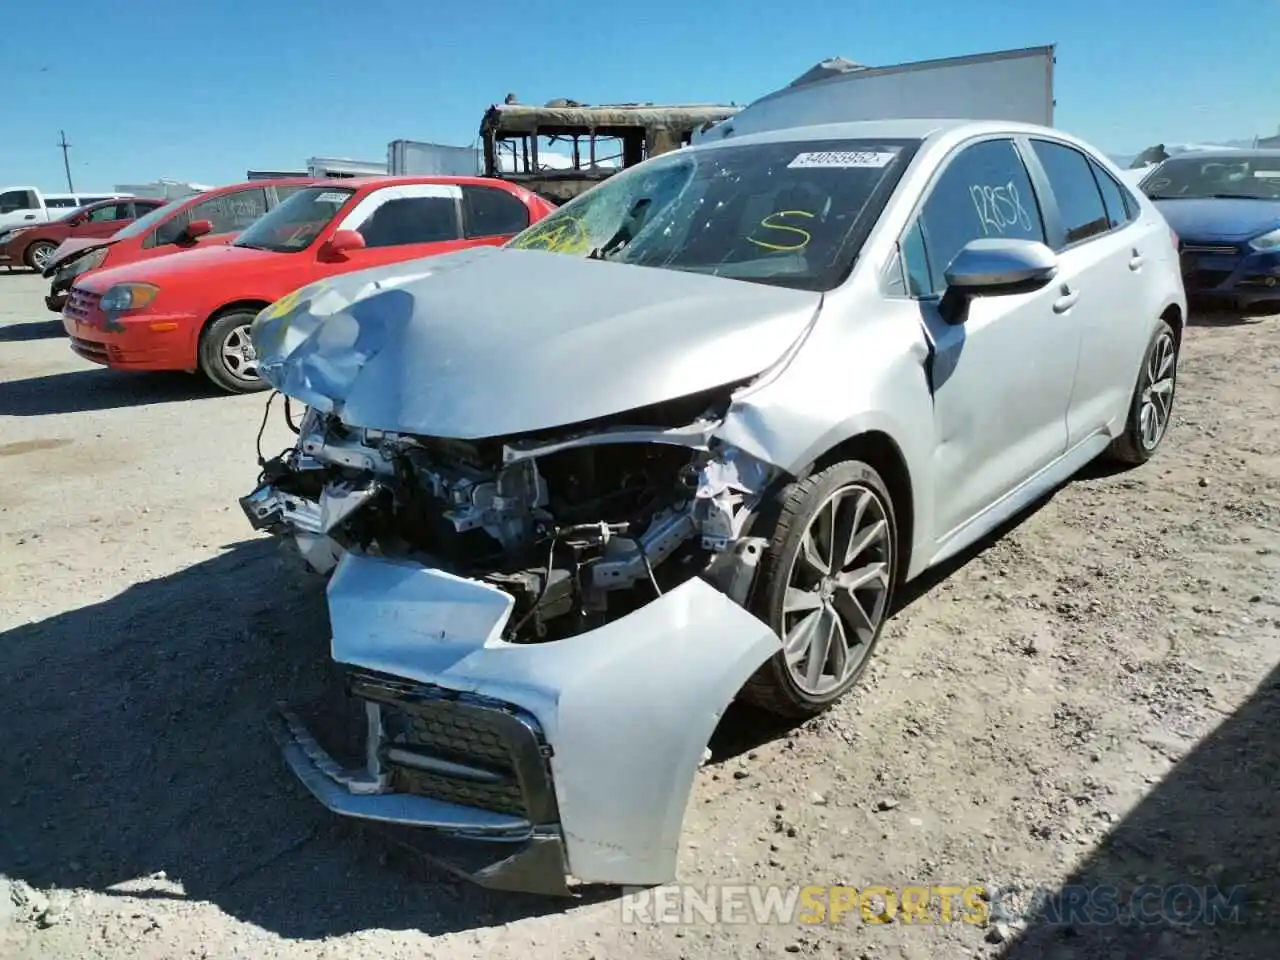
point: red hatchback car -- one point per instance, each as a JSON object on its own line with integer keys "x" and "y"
{"x": 212, "y": 216}
{"x": 32, "y": 246}
{"x": 191, "y": 311}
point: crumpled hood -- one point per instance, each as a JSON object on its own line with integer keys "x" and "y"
{"x": 71, "y": 248}
{"x": 492, "y": 342}
{"x": 1212, "y": 219}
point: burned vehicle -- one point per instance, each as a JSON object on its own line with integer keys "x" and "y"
{"x": 677, "y": 444}
{"x": 599, "y": 140}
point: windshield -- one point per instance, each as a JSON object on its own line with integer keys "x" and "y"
{"x": 144, "y": 224}
{"x": 792, "y": 214}
{"x": 1252, "y": 176}
{"x": 292, "y": 226}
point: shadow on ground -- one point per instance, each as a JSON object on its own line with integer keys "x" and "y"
{"x": 1213, "y": 824}
{"x": 31, "y": 330}
{"x": 1210, "y": 317}
{"x": 134, "y": 742}
{"x": 80, "y": 390}
{"x": 745, "y": 727}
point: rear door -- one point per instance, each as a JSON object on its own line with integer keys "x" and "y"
{"x": 1103, "y": 252}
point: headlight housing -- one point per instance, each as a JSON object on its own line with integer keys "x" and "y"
{"x": 1267, "y": 243}
{"x": 90, "y": 261}
{"x": 128, "y": 296}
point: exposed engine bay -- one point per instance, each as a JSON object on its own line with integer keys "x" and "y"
{"x": 580, "y": 528}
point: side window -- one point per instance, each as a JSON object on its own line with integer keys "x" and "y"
{"x": 1079, "y": 200}
{"x": 141, "y": 209}
{"x": 984, "y": 191}
{"x": 170, "y": 230}
{"x": 490, "y": 212}
{"x": 1113, "y": 200}
{"x": 13, "y": 200}
{"x": 405, "y": 220}
{"x": 915, "y": 262}
{"x": 65, "y": 203}
{"x": 283, "y": 193}
{"x": 232, "y": 212}
{"x": 109, "y": 212}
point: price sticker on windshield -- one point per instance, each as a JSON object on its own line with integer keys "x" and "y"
{"x": 843, "y": 160}
{"x": 332, "y": 198}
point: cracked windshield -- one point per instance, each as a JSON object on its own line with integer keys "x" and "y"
{"x": 780, "y": 213}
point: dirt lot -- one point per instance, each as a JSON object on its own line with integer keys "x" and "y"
{"x": 1092, "y": 698}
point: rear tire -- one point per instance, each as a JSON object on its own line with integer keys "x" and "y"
{"x": 830, "y": 570}
{"x": 38, "y": 254}
{"x": 1151, "y": 408}
{"x": 226, "y": 356}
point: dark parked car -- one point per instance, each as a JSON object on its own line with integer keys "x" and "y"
{"x": 1225, "y": 207}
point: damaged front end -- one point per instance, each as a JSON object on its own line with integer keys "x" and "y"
{"x": 543, "y": 630}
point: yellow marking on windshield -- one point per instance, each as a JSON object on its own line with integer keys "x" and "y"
{"x": 769, "y": 223}
{"x": 565, "y": 235}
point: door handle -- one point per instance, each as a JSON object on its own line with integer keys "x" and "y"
{"x": 1136, "y": 261}
{"x": 1067, "y": 300}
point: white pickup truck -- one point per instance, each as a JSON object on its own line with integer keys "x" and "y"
{"x": 23, "y": 206}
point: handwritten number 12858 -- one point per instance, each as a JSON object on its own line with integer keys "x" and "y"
{"x": 1000, "y": 208}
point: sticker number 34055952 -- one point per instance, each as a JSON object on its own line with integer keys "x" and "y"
{"x": 843, "y": 159}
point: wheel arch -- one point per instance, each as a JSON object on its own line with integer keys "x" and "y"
{"x": 254, "y": 304}
{"x": 881, "y": 452}
{"x": 1172, "y": 315}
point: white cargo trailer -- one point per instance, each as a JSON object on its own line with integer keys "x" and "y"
{"x": 1004, "y": 85}
{"x": 415, "y": 158}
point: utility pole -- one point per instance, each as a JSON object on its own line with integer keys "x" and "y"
{"x": 66, "y": 164}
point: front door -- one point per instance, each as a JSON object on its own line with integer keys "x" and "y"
{"x": 1002, "y": 379}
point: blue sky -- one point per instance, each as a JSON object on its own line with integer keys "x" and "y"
{"x": 203, "y": 91}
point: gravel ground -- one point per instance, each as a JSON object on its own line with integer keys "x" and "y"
{"x": 1092, "y": 698}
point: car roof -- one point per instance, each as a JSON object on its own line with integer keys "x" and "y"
{"x": 1245, "y": 153}
{"x": 898, "y": 129}
{"x": 388, "y": 181}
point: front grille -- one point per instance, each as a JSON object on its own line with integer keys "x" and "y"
{"x": 1211, "y": 249}
{"x": 479, "y": 752}
{"x": 81, "y": 304}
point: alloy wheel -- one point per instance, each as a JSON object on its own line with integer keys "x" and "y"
{"x": 238, "y": 356}
{"x": 1157, "y": 391}
{"x": 837, "y": 589}
{"x": 40, "y": 255}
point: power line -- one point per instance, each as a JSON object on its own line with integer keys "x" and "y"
{"x": 66, "y": 163}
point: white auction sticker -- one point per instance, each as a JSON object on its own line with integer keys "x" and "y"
{"x": 333, "y": 198}
{"x": 1266, "y": 174}
{"x": 844, "y": 159}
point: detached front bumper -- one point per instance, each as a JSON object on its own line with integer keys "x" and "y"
{"x": 526, "y": 764}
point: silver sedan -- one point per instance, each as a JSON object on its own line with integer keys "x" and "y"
{"x": 679, "y": 443}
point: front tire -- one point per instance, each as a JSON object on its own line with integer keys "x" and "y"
{"x": 1151, "y": 407}
{"x": 37, "y": 255}
{"x": 226, "y": 355}
{"x": 827, "y": 582}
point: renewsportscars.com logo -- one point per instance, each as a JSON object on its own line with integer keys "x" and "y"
{"x": 977, "y": 904}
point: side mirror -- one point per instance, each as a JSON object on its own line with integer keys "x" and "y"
{"x": 196, "y": 229}
{"x": 993, "y": 267}
{"x": 336, "y": 248}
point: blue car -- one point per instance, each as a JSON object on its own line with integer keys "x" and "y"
{"x": 1225, "y": 207}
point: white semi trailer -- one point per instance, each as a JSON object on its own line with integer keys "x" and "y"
{"x": 1004, "y": 85}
